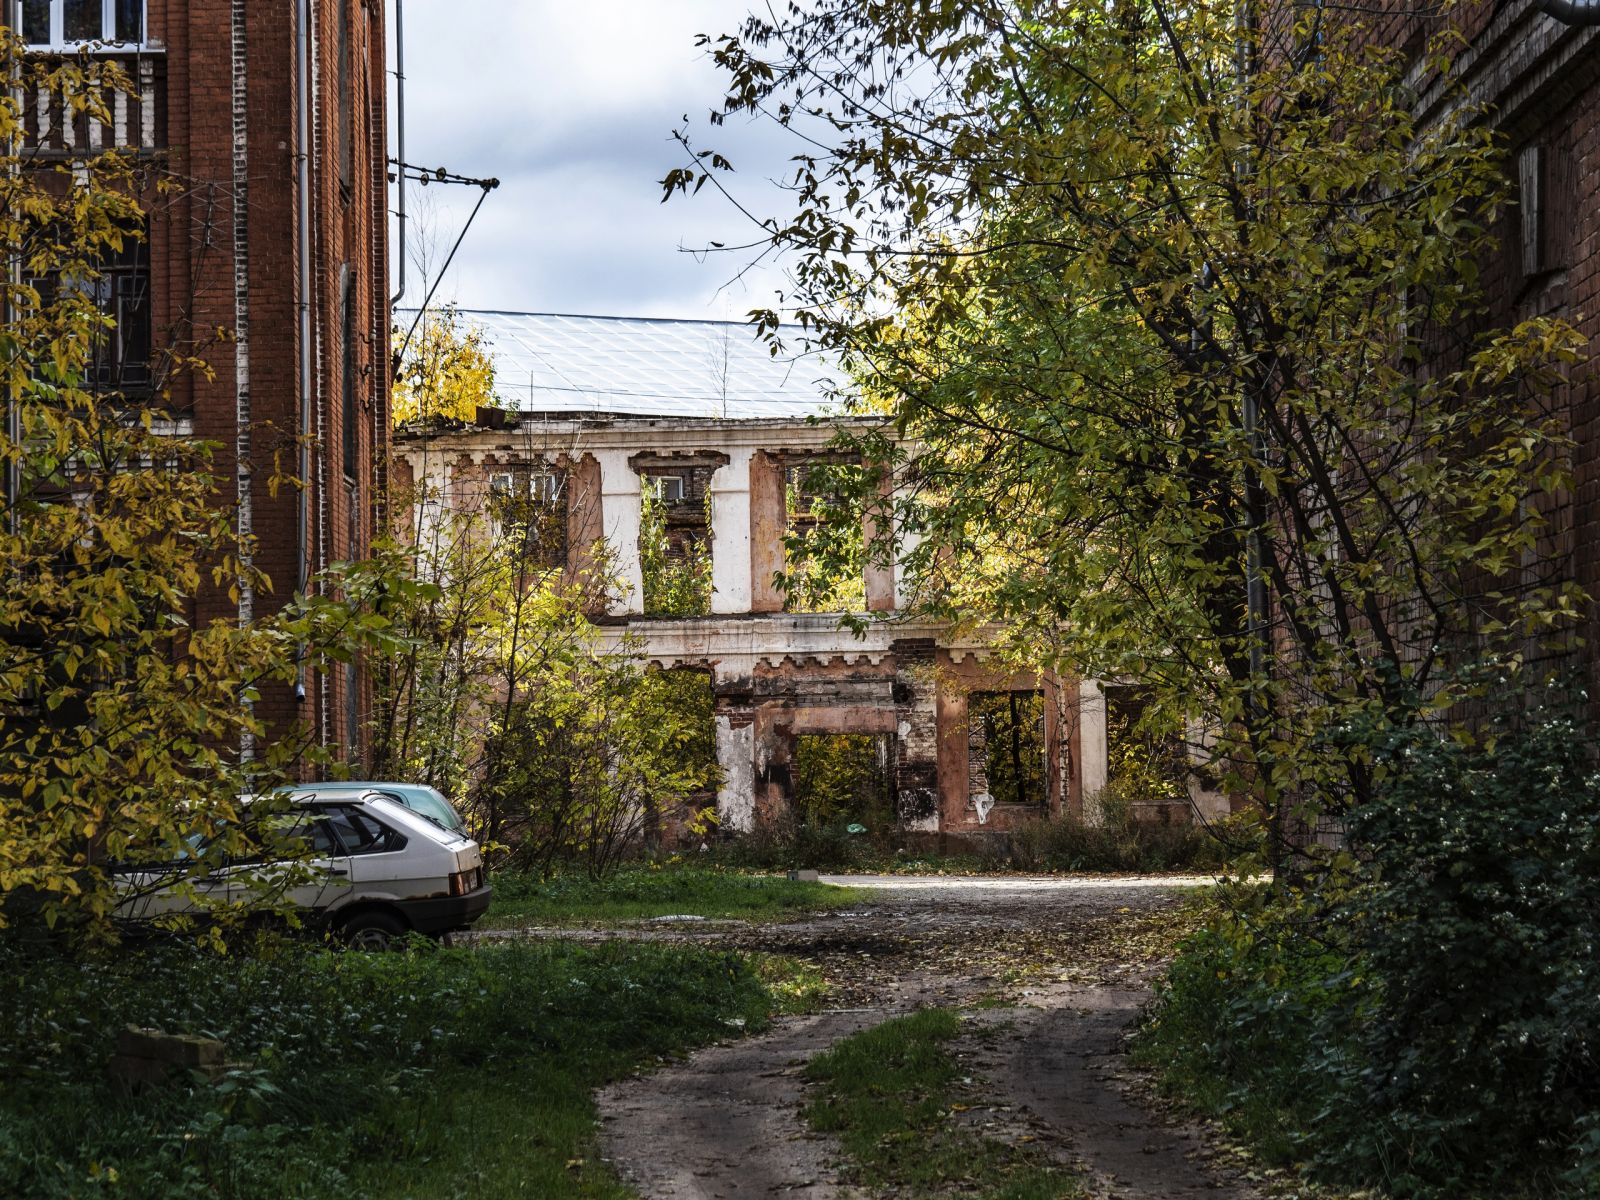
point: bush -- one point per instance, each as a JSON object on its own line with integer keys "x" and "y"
{"x": 1480, "y": 916}
{"x": 1123, "y": 843}
{"x": 1427, "y": 1020}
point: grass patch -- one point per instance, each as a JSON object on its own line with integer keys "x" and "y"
{"x": 638, "y": 892}
{"x": 893, "y": 1096}
{"x": 428, "y": 1073}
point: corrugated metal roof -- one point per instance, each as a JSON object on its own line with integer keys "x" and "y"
{"x": 640, "y": 366}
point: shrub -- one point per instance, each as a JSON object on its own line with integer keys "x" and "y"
{"x": 1426, "y": 1020}
{"x": 1121, "y": 842}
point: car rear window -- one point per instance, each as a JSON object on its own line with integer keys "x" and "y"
{"x": 436, "y": 810}
{"x": 360, "y": 833}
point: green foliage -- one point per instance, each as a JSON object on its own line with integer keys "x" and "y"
{"x": 674, "y": 586}
{"x": 842, "y": 779}
{"x": 558, "y": 749}
{"x": 596, "y": 750}
{"x": 892, "y": 1095}
{"x": 1142, "y": 318}
{"x": 1426, "y": 1021}
{"x": 1479, "y": 913}
{"x": 356, "y": 1074}
{"x": 656, "y": 890}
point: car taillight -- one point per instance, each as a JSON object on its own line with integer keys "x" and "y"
{"x": 463, "y": 882}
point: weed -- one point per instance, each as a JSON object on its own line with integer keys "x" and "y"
{"x": 893, "y": 1096}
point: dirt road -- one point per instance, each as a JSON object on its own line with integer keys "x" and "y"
{"x": 1060, "y": 966}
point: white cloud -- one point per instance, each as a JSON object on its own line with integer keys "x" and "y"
{"x": 570, "y": 106}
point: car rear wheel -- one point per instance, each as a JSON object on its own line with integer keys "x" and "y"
{"x": 372, "y": 930}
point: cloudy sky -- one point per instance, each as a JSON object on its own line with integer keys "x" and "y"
{"x": 570, "y": 105}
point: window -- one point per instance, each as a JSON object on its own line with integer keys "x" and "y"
{"x": 359, "y": 833}
{"x": 73, "y": 22}
{"x": 347, "y": 335}
{"x": 668, "y": 488}
{"x": 544, "y": 489}
{"x": 120, "y": 355}
{"x": 347, "y": 131}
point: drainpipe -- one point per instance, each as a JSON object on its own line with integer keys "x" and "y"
{"x": 400, "y": 136}
{"x": 241, "y": 313}
{"x": 303, "y": 189}
{"x": 1572, "y": 12}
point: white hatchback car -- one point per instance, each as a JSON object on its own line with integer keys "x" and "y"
{"x": 376, "y": 871}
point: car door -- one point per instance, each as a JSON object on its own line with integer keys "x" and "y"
{"x": 372, "y": 853}
{"x": 310, "y": 883}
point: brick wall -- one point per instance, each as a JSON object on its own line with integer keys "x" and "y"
{"x": 226, "y": 285}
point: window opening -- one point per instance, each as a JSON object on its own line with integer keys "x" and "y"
{"x": 119, "y": 353}
{"x": 1006, "y": 752}
{"x": 675, "y": 542}
{"x": 825, "y": 567}
{"x": 347, "y": 136}
{"x": 843, "y": 779}
{"x": 532, "y": 505}
{"x": 348, "y": 352}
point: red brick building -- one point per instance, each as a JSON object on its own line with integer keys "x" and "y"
{"x": 1540, "y": 75}
{"x": 267, "y": 259}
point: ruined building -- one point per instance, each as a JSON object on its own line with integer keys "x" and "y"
{"x": 685, "y": 440}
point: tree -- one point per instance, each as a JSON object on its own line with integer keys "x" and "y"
{"x": 445, "y": 373}
{"x": 127, "y": 726}
{"x": 505, "y": 697}
{"x": 1178, "y": 310}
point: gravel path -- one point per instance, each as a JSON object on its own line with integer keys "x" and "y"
{"x": 1062, "y": 966}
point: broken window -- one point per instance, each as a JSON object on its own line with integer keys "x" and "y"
{"x": 675, "y": 541}
{"x": 531, "y": 504}
{"x": 1006, "y": 753}
{"x": 844, "y": 778}
{"x": 825, "y": 550}
{"x": 1145, "y": 764}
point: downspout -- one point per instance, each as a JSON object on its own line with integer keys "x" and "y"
{"x": 303, "y": 198}
{"x": 13, "y": 470}
{"x": 400, "y": 137}
{"x": 1568, "y": 12}
{"x": 241, "y": 323}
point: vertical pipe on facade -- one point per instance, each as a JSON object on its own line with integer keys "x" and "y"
{"x": 13, "y": 470}
{"x": 241, "y": 316}
{"x": 303, "y": 204}
{"x": 400, "y": 137}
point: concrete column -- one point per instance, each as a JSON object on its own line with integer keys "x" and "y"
{"x": 1092, "y": 746}
{"x": 619, "y": 515}
{"x": 917, "y": 730}
{"x": 584, "y": 524}
{"x": 730, "y": 535}
{"x": 736, "y": 794}
{"x": 877, "y": 533}
{"x": 769, "y": 520}
{"x": 905, "y": 541}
